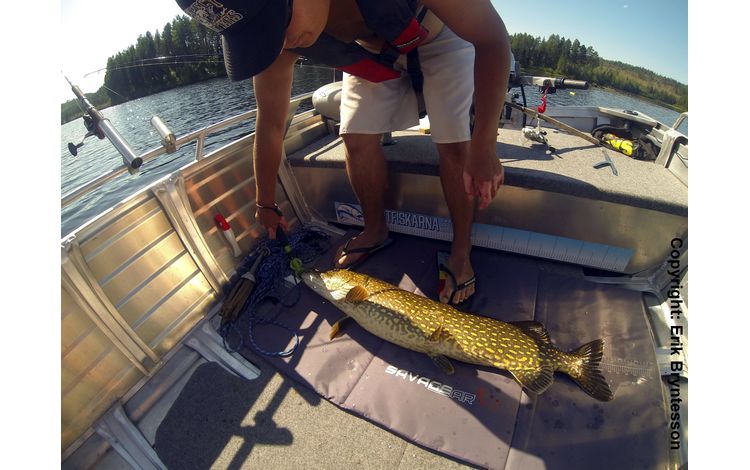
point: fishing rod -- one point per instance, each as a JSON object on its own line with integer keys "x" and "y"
{"x": 159, "y": 61}
{"x": 550, "y": 83}
{"x": 557, "y": 123}
{"x": 546, "y": 85}
{"x": 98, "y": 125}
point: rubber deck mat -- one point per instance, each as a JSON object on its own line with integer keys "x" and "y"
{"x": 480, "y": 415}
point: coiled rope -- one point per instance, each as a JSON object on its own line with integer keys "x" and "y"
{"x": 307, "y": 244}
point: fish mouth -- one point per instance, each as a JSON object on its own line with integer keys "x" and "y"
{"x": 328, "y": 284}
{"x": 313, "y": 279}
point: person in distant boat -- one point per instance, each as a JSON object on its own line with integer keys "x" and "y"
{"x": 454, "y": 52}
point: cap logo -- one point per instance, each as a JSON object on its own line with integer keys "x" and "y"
{"x": 212, "y": 14}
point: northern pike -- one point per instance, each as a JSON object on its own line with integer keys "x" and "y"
{"x": 415, "y": 322}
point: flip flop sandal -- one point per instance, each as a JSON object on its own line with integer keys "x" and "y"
{"x": 367, "y": 251}
{"x": 444, "y": 273}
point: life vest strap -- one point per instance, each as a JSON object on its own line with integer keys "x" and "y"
{"x": 413, "y": 66}
{"x": 375, "y": 67}
{"x": 411, "y": 37}
{"x": 371, "y": 70}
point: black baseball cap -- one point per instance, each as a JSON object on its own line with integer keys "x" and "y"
{"x": 252, "y": 31}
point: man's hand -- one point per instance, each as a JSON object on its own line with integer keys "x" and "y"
{"x": 272, "y": 91}
{"x": 483, "y": 176}
{"x": 270, "y": 219}
{"x": 480, "y": 24}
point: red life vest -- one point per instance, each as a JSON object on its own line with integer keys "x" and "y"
{"x": 394, "y": 21}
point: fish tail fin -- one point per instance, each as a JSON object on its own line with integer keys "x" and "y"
{"x": 586, "y": 371}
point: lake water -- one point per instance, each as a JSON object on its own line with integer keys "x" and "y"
{"x": 189, "y": 108}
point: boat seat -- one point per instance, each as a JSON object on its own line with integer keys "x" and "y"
{"x": 569, "y": 170}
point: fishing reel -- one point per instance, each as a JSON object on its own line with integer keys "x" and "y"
{"x": 90, "y": 125}
{"x": 537, "y": 134}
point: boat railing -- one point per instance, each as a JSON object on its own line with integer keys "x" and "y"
{"x": 680, "y": 119}
{"x": 199, "y": 136}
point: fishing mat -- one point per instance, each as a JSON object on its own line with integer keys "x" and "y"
{"x": 480, "y": 415}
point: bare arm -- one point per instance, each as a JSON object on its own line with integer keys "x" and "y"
{"x": 477, "y": 22}
{"x": 273, "y": 88}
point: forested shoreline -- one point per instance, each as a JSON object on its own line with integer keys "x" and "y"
{"x": 186, "y": 52}
{"x": 560, "y": 56}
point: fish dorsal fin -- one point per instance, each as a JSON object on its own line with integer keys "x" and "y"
{"x": 357, "y": 293}
{"x": 534, "y": 329}
{"x": 537, "y": 380}
{"x": 336, "y": 327}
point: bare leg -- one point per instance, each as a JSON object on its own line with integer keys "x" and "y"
{"x": 366, "y": 167}
{"x": 452, "y": 159}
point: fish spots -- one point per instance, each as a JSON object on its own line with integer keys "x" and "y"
{"x": 420, "y": 324}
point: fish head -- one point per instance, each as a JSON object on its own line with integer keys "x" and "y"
{"x": 332, "y": 285}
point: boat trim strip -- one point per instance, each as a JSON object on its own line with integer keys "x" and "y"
{"x": 172, "y": 195}
{"x": 86, "y": 291}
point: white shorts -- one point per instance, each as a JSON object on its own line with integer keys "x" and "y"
{"x": 448, "y": 67}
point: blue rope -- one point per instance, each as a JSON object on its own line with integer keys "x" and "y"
{"x": 256, "y": 321}
{"x": 307, "y": 244}
{"x": 225, "y": 330}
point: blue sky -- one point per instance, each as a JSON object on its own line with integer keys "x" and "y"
{"x": 623, "y": 30}
{"x": 647, "y": 33}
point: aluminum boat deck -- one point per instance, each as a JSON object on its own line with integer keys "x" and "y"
{"x": 143, "y": 282}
